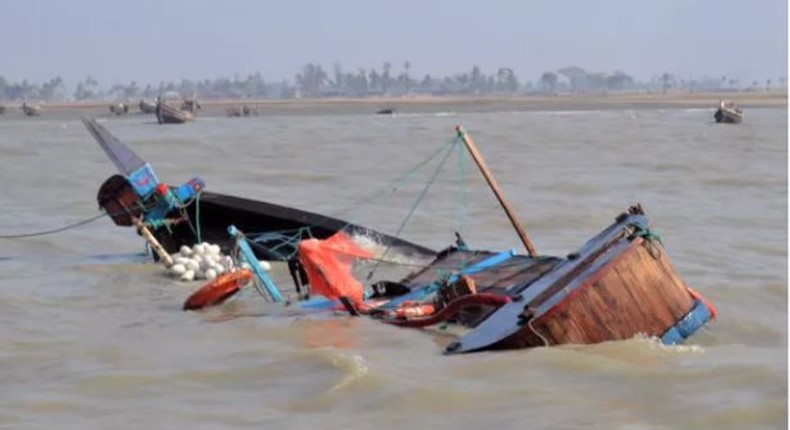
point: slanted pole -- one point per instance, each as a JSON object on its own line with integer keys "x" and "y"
{"x": 511, "y": 214}
{"x": 155, "y": 245}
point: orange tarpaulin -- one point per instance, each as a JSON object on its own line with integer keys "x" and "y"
{"x": 328, "y": 264}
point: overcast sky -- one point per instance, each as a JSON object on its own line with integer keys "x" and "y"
{"x": 154, "y": 40}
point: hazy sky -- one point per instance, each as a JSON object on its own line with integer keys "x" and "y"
{"x": 153, "y": 40}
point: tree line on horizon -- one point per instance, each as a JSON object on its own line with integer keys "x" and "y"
{"x": 313, "y": 81}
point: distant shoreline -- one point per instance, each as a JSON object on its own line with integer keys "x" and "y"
{"x": 754, "y": 99}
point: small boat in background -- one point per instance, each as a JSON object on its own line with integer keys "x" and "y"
{"x": 169, "y": 114}
{"x": 147, "y": 106}
{"x": 172, "y": 110}
{"x": 386, "y": 111}
{"x": 728, "y": 113}
{"x": 244, "y": 110}
{"x": 191, "y": 105}
{"x": 29, "y": 110}
{"x": 119, "y": 108}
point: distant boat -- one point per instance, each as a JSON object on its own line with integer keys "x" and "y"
{"x": 168, "y": 113}
{"x": 728, "y": 113}
{"x": 147, "y": 106}
{"x": 2, "y": 109}
{"x": 119, "y": 108}
{"x": 385, "y": 111}
{"x": 31, "y": 110}
{"x": 245, "y": 110}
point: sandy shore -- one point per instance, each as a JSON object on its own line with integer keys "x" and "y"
{"x": 558, "y": 102}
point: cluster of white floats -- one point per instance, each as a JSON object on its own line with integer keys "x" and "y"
{"x": 203, "y": 261}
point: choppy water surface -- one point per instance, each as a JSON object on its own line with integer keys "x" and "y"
{"x": 92, "y": 335}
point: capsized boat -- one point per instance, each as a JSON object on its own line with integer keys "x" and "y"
{"x": 188, "y": 214}
{"x": 617, "y": 285}
{"x": 728, "y": 113}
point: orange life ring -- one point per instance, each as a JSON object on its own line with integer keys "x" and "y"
{"x": 218, "y": 290}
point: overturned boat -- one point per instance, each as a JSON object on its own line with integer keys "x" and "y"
{"x": 618, "y": 285}
{"x": 728, "y": 113}
{"x": 188, "y": 214}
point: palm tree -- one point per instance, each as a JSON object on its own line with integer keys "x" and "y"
{"x": 406, "y": 68}
{"x": 667, "y": 80}
{"x": 549, "y": 81}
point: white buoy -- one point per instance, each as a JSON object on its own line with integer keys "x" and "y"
{"x": 193, "y": 265}
{"x": 178, "y": 269}
{"x": 189, "y": 275}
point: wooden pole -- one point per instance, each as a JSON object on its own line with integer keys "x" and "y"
{"x": 511, "y": 214}
{"x": 155, "y": 245}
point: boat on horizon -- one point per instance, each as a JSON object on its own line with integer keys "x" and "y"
{"x": 728, "y": 113}
{"x": 386, "y": 111}
{"x": 147, "y": 106}
{"x": 171, "y": 110}
{"x": 119, "y": 108}
{"x": 31, "y": 110}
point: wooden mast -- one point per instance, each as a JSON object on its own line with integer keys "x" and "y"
{"x": 511, "y": 214}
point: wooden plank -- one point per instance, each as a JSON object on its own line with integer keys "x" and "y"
{"x": 649, "y": 298}
{"x": 667, "y": 283}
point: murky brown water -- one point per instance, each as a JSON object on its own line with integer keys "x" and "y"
{"x": 92, "y": 335}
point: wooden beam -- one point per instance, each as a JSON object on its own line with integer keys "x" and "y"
{"x": 511, "y": 214}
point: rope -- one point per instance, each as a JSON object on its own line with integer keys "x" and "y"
{"x": 90, "y": 220}
{"x": 197, "y": 215}
{"x": 537, "y": 333}
{"x": 414, "y": 206}
{"x": 651, "y": 238}
{"x": 53, "y": 231}
{"x": 463, "y": 202}
{"x": 396, "y": 182}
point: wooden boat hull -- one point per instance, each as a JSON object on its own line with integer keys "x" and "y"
{"x": 728, "y": 116}
{"x": 167, "y": 114}
{"x": 277, "y": 229}
{"x": 147, "y": 107}
{"x": 119, "y": 109}
{"x": 620, "y": 284}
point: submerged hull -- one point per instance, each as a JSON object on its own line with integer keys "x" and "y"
{"x": 620, "y": 284}
{"x": 275, "y": 229}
